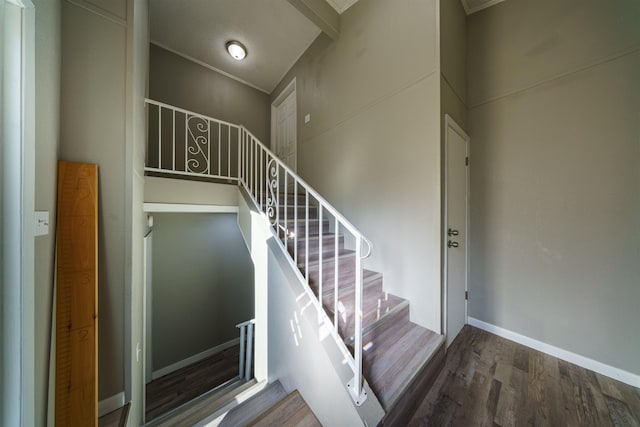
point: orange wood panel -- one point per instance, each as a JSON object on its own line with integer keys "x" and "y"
{"x": 77, "y": 295}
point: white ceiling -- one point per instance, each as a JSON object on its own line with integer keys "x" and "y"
{"x": 273, "y": 31}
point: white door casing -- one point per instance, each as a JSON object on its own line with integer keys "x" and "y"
{"x": 17, "y": 199}
{"x": 456, "y": 228}
{"x": 147, "y": 303}
{"x": 284, "y": 126}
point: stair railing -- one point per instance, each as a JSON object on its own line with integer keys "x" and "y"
{"x": 191, "y": 144}
{"x": 270, "y": 182}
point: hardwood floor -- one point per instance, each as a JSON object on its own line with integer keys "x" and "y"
{"x": 179, "y": 387}
{"x": 489, "y": 381}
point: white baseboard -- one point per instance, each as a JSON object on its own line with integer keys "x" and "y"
{"x": 593, "y": 365}
{"x": 193, "y": 359}
{"x": 110, "y": 404}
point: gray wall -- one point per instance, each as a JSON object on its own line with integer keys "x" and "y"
{"x": 372, "y": 147}
{"x": 93, "y": 111}
{"x": 47, "y": 145}
{"x": 183, "y": 83}
{"x": 202, "y": 284}
{"x": 554, "y": 101}
{"x": 453, "y": 62}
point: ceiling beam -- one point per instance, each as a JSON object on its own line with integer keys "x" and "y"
{"x": 321, "y": 14}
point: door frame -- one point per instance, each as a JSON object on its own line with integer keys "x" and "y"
{"x": 451, "y": 124}
{"x": 17, "y": 184}
{"x": 286, "y": 92}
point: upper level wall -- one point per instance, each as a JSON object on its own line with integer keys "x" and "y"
{"x": 180, "y": 82}
{"x": 555, "y": 184}
{"x": 518, "y": 44}
{"x": 372, "y": 146}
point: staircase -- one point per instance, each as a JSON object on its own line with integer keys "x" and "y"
{"x": 400, "y": 358}
{"x": 395, "y": 357}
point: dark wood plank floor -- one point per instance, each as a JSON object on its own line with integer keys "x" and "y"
{"x": 179, "y": 387}
{"x": 489, "y": 381}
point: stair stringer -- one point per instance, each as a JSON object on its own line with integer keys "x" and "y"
{"x": 301, "y": 352}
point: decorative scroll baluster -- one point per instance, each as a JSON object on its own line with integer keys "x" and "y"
{"x": 272, "y": 191}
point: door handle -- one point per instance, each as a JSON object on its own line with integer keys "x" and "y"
{"x": 452, "y": 232}
{"x": 451, "y": 244}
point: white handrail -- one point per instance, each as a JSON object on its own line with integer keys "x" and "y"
{"x": 262, "y": 174}
{"x": 321, "y": 200}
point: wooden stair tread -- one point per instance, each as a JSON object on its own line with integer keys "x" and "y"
{"x": 375, "y": 306}
{"x": 400, "y": 357}
{"x": 290, "y": 411}
{"x": 245, "y": 413}
{"x": 199, "y": 408}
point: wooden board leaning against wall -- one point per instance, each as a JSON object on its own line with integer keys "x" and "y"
{"x": 76, "y": 390}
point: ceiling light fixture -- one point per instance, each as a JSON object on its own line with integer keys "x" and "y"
{"x": 236, "y": 50}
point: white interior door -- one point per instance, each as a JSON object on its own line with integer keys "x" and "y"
{"x": 284, "y": 124}
{"x": 456, "y": 228}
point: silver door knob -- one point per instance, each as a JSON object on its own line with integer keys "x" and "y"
{"x": 451, "y": 244}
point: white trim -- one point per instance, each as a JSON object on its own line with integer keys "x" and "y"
{"x": 193, "y": 359}
{"x": 470, "y": 10}
{"x": 17, "y": 185}
{"x": 110, "y": 404}
{"x": 450, "y": 123}
{"x": 186, "y": 208}
{"x": 282, "y": 96}
{"x": 585, "y": 362}
{"x": 210, "y": 67}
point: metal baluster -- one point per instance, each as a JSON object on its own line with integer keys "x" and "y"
{"x": 229, "y": 151}
{"x": 209, "y": 144}
{"x": 335, "y": 275}
{"x": 295, "y": 221}
{"x": 219, "y": 131}
{"x": 159, "y": 137}
{"x": 173, "y": 134}
{"x": 241, "y": 367}
{"x": 286, "y": 224}
{"x": 320, "y": 254}
{"x": 186, "y": 139}
{"x": 261, "y": 191}
{"x": 306, "y": 240}
{"x": 247, "y": 371}
{"x": 357, "y": 352}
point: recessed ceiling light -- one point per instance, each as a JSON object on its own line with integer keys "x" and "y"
{"x": 236, "y": 50}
